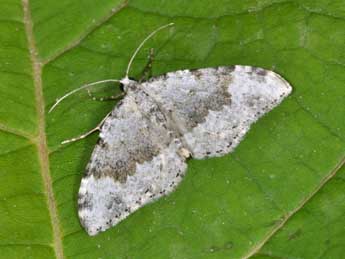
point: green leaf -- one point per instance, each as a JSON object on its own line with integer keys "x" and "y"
{"x": 279, "y": 195}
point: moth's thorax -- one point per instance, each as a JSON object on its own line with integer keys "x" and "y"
{"x": 129, "y": 84}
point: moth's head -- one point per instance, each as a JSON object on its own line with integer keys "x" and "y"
{"x": 128, "y": 84}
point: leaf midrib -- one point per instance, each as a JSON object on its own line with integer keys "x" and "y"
{"x": 41, "y": 141}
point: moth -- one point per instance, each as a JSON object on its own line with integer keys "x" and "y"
{"x": 145, "y": 140}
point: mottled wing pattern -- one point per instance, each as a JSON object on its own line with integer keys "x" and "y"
{"x": 143, "y": 144}
{"x": 213, "y": 108}
{"x": 136, "y": 160}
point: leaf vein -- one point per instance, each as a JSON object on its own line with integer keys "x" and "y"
{"x": 289, "y": 215}
{"x": 87, "y": 32}
{"x": 42, "y": 140}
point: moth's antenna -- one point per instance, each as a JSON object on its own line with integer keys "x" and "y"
{"x": 142, "y": 43}
{"x": 111, "y": 80}
{"x": 78, "y": 89}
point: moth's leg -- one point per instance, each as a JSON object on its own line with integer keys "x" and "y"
{"x": 97, "y": 128}
{"x": 147, "y": 71}
{"x": 107, "y": 98}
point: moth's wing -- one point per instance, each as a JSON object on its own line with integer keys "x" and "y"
{"x": 135, "y": 161}
{"x": 213, "y": 108}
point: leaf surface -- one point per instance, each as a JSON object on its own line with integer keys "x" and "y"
{"x": 279, "y": 195}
